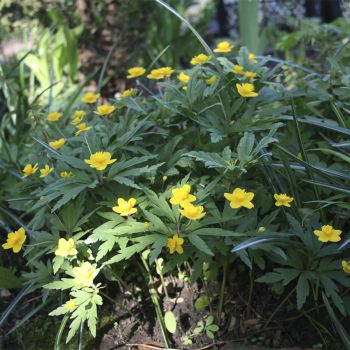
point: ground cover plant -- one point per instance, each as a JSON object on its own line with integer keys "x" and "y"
{"x": 192, "y": 187}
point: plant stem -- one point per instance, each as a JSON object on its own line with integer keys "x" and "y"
{"x": 155, "y": 301}
{"x": 222, "y": 290}
{"x": 162, "y": 279}
{"x": 279, "y": 307}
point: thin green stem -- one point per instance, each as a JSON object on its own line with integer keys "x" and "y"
{"x": 222, "y": 290}
{"x": 155, "y": 301}
{"x": 162, "y": 279}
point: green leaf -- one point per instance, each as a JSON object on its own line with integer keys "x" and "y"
{"x": 199, "y": 243}
{"x": 303, "y": 290}
{"x": 170, "y": 322}
{"x": 8, "y": 279}
{"x": 202, "y": 302}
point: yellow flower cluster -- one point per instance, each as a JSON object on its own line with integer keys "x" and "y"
{"x": 183, "y": 197}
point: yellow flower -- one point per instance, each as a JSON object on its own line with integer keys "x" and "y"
{"x": 65, "y": 247}
{"x": 90, "y": 97}
{"x": 100, "y": 160}
{"x": 184, "y": 88}
{"x": 250, "y": 75}
{"x": 77, "y": 117}
{"x": 54, "y": 116}
{"x": 175, "y": 244}
{"x": 200, "y": 59}
{"x": 251, "y": 57}
{"x": 125, "y": 208}
{"x": 66, "y": 174}
{"x": 283, "y": 200}
{"x": 135, "y": 72}
{"x": 146, "y": 225}
{"x": 238, "y": 69}
{"x": 166, "y": 71}
{"x": 262, "y": 229}
{"x": 15, "y": 240}
{"x": 84, "y": 274}
{"x": 346, "y": 266}
{"x": 81, "y": 128}
{"x": 211, "y": 80}
{"x": 29, "y": 169}
{"x": 70, "y": 305}
{"x": 57, "y": 144}
{"x": 223, "y": 47}
{"x": 184, "y": 78}
{"x": 192, "y": 212}
{"x": 45, "y": 171}
{"x": 246, "y": 90}
{"x": 240, "y": 198}
{"x": 155, "y": 74}
{"x": 182, "y": 195}
{"x": 127, "y": 93}
{"x": 105, "y": 110}
{"x": 328, "y": 234}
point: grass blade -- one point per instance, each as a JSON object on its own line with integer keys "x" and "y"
{"x": 13, "y": 304}
{"x": 188, "y": 25}
{"x": 59, "y": 334}
{"x": 344, "y": 336}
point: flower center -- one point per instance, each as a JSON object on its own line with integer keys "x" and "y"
{"x": 328, "y": 231}
{"x": 239, "y": 197}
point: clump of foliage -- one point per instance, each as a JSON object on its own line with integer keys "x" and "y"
{"x": 222, "y": 163}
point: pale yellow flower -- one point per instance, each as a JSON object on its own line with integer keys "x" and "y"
{"x": 283, "y": 200}
{"x": 127, "y": 93}
{"x": 100, "y": 160}
{"x": 184, "y": 78}
{"x": 200, "y": 59}
{"x": 238, "y": 69}
{"x": 77, "y": 117}
{"x": 105, "y": 110}
{"x": 252, "y": 58}
{"x": 135, "y": 72}
{"x": 125, "y": 208}
{"x": 15, "y": 240}
{"x": 174, "y": 244}
{"x": 84, "y": 274}
{"x": 240, "y": 198}
{"x": 29, "y": 169}
{"x": 66, "y": 247}
{"x": 246, "y": 90}
{"x": 81, "y": 128}
{"x": 70, "y": 305}
{"x": 223, "y": 47}
{"x": 192, "y": 212}
{"x": 250, "y": 75}
{"x": 54, "y": 116}
{"x": 45, "y": 171}
{"x": 57, "y": 144}
{"x": 90, "y": 97}
{"x": 328, "y": 234}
